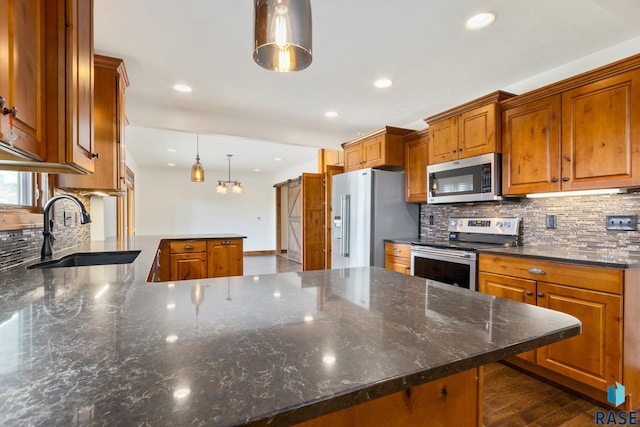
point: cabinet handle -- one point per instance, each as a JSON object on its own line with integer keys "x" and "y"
{"x": 95, "y": 155}
{"x": 226, "y": 242}
{"x": 565, "y": 179}
{"x": 396, "y": 250}
{"x": 5, "y": 111}
{"x": 536, "y": 270}
{"x": 189, "y": 247}
{"x": 554, "y": 179}
{"x": 529, "y": 293}
{"x": 540, "y": 295}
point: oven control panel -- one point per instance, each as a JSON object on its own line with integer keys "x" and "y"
{"x": 497, "y": 225}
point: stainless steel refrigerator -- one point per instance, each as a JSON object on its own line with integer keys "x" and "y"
{"x": 367, "y": 207}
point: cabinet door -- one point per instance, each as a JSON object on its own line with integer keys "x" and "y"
{"x": 373, "y": 151}
{"x": 224, "y": 258}
{"x": 353, "y": 158}
{"x": 415, "y": 178}
{"x": 444, "y": 140}
{"x": 477, "y": 132}
{"x": 601, "y": 133}
{"x": 531, "y": 147}
{"x": 594, "y": 357}
{"x": 513, "y": 288}
{"x": 22, "y": 74}
{"x": 79, "y": 83}
{"x": 188, "y": 266}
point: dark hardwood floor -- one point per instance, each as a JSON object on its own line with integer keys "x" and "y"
{"x": 511, "y": 398}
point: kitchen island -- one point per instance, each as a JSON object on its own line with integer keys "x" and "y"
{"x": 102, "y": 346}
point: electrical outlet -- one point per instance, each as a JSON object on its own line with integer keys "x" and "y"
{"x": 67, "y": 218}
{"x": 622, "y": 222}
{"x": 431, "y": 220}
{"x": 551, "y": 221}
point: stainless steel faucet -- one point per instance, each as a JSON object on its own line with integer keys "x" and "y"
{"x": 47, "y": 249}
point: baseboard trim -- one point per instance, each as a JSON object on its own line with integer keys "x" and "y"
{"x": 249, "y": 253}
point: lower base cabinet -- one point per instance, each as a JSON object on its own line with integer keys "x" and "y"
{"x": 451, "y": 401}
{"x": 198, "y": 259}
{"x": 397, "y": 257}
{"x": 224, "y": 258}
{"x": 603, "y": 299}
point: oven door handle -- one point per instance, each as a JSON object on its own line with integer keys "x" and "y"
{"x": 456, "y": 254}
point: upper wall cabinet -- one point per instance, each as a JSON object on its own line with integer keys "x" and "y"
{"x": 110, "y": 84}
{"x": 468, "y": 130}
{"x": 382, "y": 148}
{"x": 416, "y": 156}
{"x": 581, "y": 133}
{"x": 46, "y": 75}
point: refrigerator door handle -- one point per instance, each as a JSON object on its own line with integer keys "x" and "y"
{"x": 346, "y": 224}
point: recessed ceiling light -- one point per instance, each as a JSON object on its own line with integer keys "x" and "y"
{"x": 382, "y": 83}
{"x": 277, "y": 159}
{"x": 182, "y": 88}
{"x": 171, "y": 164}
{"x": 481, "y": 20}
{"x": 331, "y": 114}
{"x": 171, "y": 150}
{"x": 256, "y": 170}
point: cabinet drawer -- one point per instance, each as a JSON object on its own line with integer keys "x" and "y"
{"x": 183, "y": 246}
{"x": 398, "y": 250}
{"x": 401, "y": 265}
{"x": 580, "y": 276}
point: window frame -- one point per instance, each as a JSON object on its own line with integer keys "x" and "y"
{"x": 18, "y": 217}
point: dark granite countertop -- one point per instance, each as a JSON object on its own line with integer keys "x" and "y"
{"x": 611, "y": 259}
{"x": 101, "y": 346}
{"x": 403, "y": 240}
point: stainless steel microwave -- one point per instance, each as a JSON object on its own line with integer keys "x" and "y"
{"x": 474, "y": 179}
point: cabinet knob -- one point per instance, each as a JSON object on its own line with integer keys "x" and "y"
{"x": 529, "y": 293}
{"x": 189, "y": 247}
{"x": 554, "y": 179}
{"x": 396, "y": 250}
{"x": 540, "y": 295}
{"x": 565, "y": 179}
{"x": 5, "y": 111}
{"x": 453, "y": 151}
{"x": 95, "y": 155}
{"x": 535, "y": 270}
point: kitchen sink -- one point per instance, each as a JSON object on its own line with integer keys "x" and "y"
{"x": 82, "y": 259}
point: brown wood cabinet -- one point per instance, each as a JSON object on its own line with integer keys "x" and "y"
{"x": 452, "y": 401}
{"x": 110, "y": 85}
{"x": 415, "y": 166}
{"x": 48, "y": 77}
{"x": 225, "y": 257}
{"x": 468, "y": 130}
{"x": 606, "y": 351}
{"x": 577, "y": 134}
{"x": 397, "y": 257}
{"x": 382, "y": 148}
{"x": 328, "y": 157}
{"x": 187, "y": 259}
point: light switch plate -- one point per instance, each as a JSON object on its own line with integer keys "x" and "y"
{"x": 622, "y": 222}
{"x": 67, "y": 219}
{"x": 551, "y": 221}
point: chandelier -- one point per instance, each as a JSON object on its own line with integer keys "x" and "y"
{"x": 223, "y": 185}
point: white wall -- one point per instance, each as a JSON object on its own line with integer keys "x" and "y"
{"x": 167, "y": 202}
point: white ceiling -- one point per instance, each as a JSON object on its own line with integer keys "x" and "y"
{"x": 239, "y": 108}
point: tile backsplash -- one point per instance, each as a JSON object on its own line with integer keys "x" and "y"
{"x": 21, "y": 246}
{"x": 580, "y": 220}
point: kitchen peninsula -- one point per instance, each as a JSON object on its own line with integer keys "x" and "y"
{"x": 103, "y": 346}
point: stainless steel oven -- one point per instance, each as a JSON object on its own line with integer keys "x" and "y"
{"x": 455, "y": 260}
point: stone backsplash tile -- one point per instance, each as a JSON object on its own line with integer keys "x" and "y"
{"x": 580, "y": 220}
{"x": 23, "y": 246}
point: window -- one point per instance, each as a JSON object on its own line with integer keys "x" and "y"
{"x": 17, "y": 188}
